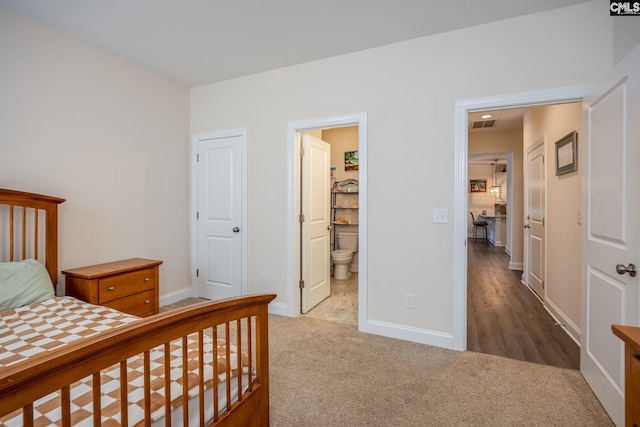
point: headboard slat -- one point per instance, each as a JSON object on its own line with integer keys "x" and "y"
{"x": 24, "y": 233}
{"x": 35, "y": 235}
{"x": 11, "y": 240}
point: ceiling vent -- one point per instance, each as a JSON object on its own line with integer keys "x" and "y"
{"x": 483, "y": 124}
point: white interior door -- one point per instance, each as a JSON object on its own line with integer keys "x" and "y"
{"x": 534, "y": 219}
{"x": 611, "y": 232}
{"x": 220, "y": 162}
{"x": 316, "y": 226}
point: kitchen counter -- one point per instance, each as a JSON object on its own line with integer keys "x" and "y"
{"x": 497, "y": 228}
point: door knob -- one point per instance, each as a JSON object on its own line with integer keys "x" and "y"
{"x": 329, "y": 227}
{"x": 236, "y": 229}
{"x": 527, "y": 226}
{"x": 631, "y": 269}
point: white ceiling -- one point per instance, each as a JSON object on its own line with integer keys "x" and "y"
{"x": 203, "y": 41}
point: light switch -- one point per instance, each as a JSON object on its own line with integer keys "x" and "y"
{"x": 440, "y": 216}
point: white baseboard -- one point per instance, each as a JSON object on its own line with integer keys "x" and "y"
{"x": 176, "y": 296}
{"x": 279, "y": 308}
{"x": 516, "y": 266}
{"x": 563, "y": 321}
{"x": 391, "y": 330}
{"x": 408, "y": 333}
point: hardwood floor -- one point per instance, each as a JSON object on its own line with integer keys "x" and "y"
{"x": 505, "y": 318}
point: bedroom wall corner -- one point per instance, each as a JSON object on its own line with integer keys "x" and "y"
{"x": 106, "y": 134}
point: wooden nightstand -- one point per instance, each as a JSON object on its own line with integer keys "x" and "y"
{"x": 130, "y": 285}
{"x": 631, "y": 337}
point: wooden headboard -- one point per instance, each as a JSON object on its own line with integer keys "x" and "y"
{"x": 29, "y": 228}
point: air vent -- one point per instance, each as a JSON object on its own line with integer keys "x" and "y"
{"x": 483, "y": 124}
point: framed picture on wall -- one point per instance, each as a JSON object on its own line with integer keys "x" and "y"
{"x": 351, "y": 161}
{"x": 567, "y": 154}
{"x": 477, "y": 186}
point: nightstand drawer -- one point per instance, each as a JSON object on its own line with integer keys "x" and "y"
{"x": 141, "y": 304}
{"x": 119, "y": 286}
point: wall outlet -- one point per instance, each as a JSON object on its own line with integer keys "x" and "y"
{"x": 262, "y": 280}
{"x": 410, "y": 301}
{"x": 440, "y": 216}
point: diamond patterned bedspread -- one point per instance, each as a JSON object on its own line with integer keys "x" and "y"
{"x": 53, "y": 323}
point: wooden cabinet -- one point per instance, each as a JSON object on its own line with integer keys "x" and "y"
{"x": 129, "y": 285}
{"x": 631, "y": 337}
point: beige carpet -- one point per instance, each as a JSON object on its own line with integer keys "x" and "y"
{"x": 326, "y": 373}
{"x": 329, "y": 374}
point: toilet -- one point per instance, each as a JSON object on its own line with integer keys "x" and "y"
{"x": 346, "y": 244}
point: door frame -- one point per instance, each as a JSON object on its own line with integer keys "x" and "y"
{"x": 461, "y": 142}
{"x": 293, "y": 207}
{"x": 193, "y": 222}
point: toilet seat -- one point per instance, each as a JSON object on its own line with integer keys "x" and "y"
{"x": 341, "y": 253}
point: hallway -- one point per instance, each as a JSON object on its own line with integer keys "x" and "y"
{"x": 505, "y": 318}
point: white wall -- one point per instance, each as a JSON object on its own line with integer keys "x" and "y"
{"x": 109, "y": 136}
{"x": 409, "y": 91}
{"x": 564, "y": 200}
{"x": 626, "y": 35}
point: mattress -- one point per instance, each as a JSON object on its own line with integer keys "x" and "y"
{"x": 56, "y": 322}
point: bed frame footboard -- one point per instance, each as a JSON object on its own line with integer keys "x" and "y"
{"x": 241, "y": 321}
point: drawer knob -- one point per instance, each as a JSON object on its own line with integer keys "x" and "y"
{"x": 146, "y": 279}
{"x": 111, "y": 288}
{"x": 147, "y": 301}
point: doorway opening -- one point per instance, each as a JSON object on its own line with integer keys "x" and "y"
{"x": 508, "y": 313}
{"x": 341, "y": 301}
{"x": 345, "y": 298}
{"x": 462, "y": 110}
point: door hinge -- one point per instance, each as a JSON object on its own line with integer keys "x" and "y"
{"x": 301, "y": 283}
{"x": 197, "y": 157}
{"x": 301, "y": 218}
{"x": 543, "y": 284}
{"x": 301, "y": 151}
{"x": 197, "y": 272}
{"x": 543, "y": 222}
{"x": 197, "y": 215}
{"x": 543, "y": 159}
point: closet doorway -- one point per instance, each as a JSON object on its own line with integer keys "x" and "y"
{"x": 346, "y": 300}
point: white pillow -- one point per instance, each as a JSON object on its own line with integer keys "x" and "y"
{"x": 23, "y": 283}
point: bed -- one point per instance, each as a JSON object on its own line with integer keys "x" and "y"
{"x": 66, "y": 362}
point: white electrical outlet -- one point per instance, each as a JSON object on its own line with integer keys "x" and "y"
{"x": 410, "y": 301}
{"x": 262, "y": 280}
{"x": 440, "y": 216}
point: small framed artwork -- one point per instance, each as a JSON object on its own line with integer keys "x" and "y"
{"x": 567, "y": 154}
{"x": 351, "y": 161}
{"x": 477, "y": 186}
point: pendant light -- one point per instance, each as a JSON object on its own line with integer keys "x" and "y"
{"x": 494, "y": 189}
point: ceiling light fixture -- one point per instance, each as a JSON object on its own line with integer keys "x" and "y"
{"x": 494, "y": 189}
{"x": 486, "y": 116}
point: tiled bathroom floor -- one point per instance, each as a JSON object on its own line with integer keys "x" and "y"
{"x": 342, "y": 304}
